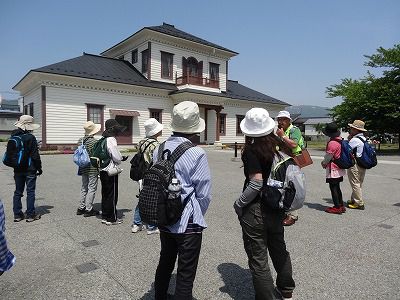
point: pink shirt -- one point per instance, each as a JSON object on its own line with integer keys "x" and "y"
{"x": 333, "y": 148}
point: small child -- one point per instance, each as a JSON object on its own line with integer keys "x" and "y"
{"x": 334, "y": 175}
{"x": 7, "y": 259}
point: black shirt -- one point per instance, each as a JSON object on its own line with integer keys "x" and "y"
{"x": 252, "y": 165}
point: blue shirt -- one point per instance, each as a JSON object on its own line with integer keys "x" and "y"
{"x": 194, "y": 174}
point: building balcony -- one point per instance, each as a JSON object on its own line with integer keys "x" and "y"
{"x": 199, "y": 81}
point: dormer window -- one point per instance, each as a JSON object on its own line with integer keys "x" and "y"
{"x": 145, "y": 61}
{"x": 214, "y": 71}
{"x": 167, "y": 60}
{"x": 134, "y": 56}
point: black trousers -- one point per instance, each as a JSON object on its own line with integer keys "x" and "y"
{"x": 334, "y": 186}
{"x": 109, "y": 196}
{"x": 263, "y": 233}
{"x": 187, "y": 248}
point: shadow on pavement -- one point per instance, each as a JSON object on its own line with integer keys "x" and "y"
{"x": 44, "y": 209}
{"x": 316, "y": 206}
{"x": 238, "y": 281}
{"x": 150, "y": 294}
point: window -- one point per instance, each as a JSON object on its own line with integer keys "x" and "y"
{"x": 166, "y": 65}
{"x": 222, "y": 124}
{"x": 134, "y": 56}
{"x": 145, "y": 61}
{"x": 95, "y": 113}
{"x": 239, "y": 119}
{"x": 156, "y": 114}
{"x": 28, "y": 109}
{"x": 214, "y": 71}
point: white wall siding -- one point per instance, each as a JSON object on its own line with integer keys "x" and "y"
{"x": 68, "y": 105}
{"x": 35, "y": 97}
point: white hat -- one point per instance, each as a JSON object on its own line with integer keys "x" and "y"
{"x": 186, "y": 118}
{"x": 257, "y": 122}
{"x": 152, "y": 127}
{"x": 25, "y": 122}
{"x": 284, "y": 114}
{"x": 91, "y": 128}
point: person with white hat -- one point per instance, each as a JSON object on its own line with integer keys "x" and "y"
{"x": 153, "y": 129}
{"x": 184, "y": 238}
{"x": 291, "y": 136}
{"x": 26, "y": 174}
{"x": 356, "y": 173}
{"x": 90, "y": 174}
{"x": 262, "y": 228}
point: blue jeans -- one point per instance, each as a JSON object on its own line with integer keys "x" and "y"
{"x": 138, "y": 221}
{"x": 20, "y": 180}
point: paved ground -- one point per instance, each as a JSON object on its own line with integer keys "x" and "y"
{"x": 351, "y": 256}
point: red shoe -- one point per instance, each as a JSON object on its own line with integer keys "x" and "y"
{"x": 334, "y": 210}
{"x": 343, "y": 209}
{"x": 288, "y": 221}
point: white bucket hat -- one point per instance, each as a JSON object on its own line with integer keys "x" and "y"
{"x": 152, "y": 127}
{"x": 25, "y": 122}
{"x": 186, "y": 118}
{"x": 91, "y": 128}
{"x": 284, "y": 114}
{"x": 257, "y": 122}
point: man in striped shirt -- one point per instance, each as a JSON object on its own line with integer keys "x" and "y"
{"x": 90, "y": 174}
{"x": 183, "y": 239}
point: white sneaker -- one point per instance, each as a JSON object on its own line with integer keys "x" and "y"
{"x": 154, "y": 231}
{"x": 136, "y": 228}
{"x": 117, "y": 222}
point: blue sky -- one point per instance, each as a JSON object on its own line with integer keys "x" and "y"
{"x": 288, "y": 49}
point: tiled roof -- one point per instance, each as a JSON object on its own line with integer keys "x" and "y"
{"x": 102, "y": 68}
{"x": 172, "y": 31}
{"x": 114, "y": 70}
{"x": 238, "y": 92}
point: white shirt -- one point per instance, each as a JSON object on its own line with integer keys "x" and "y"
{"x": 115, "y": 155}
{"x": 355, "y": 142}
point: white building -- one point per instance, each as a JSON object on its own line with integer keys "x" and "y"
{"x": 143, "y": 76}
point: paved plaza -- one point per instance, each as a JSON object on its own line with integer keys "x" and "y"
{"x": 65, "y": 256}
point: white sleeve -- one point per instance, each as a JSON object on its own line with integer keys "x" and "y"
{"x": 113, "y": 150}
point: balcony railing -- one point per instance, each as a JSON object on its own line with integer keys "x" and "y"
{"x": 200, "y": 81}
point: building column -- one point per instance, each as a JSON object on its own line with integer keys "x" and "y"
{"x": 217, "y": 130}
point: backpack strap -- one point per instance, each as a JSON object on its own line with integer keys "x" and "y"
{"x": 180, "y": 150}
{"x": 147, "y": 146}
{"x": 362, "y": 140}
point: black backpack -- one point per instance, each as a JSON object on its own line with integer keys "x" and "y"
{"x": 16, "y": 155}
{"x": 138, "y": 163}
{"x": 155, "y": 207}
{"x": 99, "y": 156}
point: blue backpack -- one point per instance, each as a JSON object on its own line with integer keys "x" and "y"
{"x": 81, "y": 156}
{"x": 368, "y": 157}
{"x": 16, "y": 156}
{"x": 346, "y": 158}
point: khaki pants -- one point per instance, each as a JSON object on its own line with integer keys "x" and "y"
{"x": 356, "y": 178}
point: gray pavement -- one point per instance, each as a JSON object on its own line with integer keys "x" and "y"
{"x": 64, "y": 256}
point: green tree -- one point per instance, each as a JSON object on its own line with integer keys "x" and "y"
{"x": 375, "y": 100}
{"x": 319, "y": 127}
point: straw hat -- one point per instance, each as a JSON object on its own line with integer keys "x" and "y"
{"x": 91, "y": 128}
{"x": 257, "y": 122}
{"x": 358, "y": 124}
{"x": 25, "y": 122}
{"x": 186, "y": 118}
{"x": 152, "y": 127}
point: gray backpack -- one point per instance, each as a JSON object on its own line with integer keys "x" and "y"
{"x": 285, "y": 188}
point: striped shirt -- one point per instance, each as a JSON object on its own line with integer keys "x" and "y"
{"x": 89, "y": 143}
{"x": 7, "y": 259}
{"x": 194, "y": 174}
